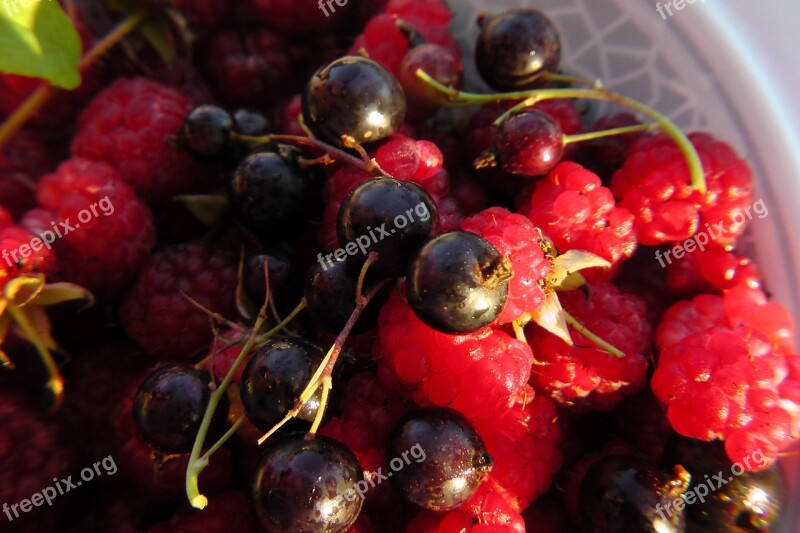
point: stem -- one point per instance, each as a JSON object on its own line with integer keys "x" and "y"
{"x": 592, "y": 135}
{"x": 371, "y": 258}
{"x": 296, "y": 311}
{"x": 44, "y": 92}
{"x": 583, "y": 330}
{"x": 223, "y": 439}
{"x": 531, "y": 97}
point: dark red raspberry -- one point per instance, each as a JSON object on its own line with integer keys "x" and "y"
{"x": 229, "y": 511}
{"x": 155, "y": 312}
{"x": 127, "y": 126}
{"x": 474, "y": 374}
{"x": 583, "y": 376}
{"x": 290, "y": 117}
{"x": 297, "y": 16}
{"x": 515, "y": 237}
{"x": 712, "y": 269}
{"x": 102, "y": 232}
{"x": 23, "y": 160}
{"x": 577, "y": 213}
{"x": 548, "y": 515}
{"x": 654, "y": 186}
{"x": 206, "y": 13}
{"x": 224, "y": 350}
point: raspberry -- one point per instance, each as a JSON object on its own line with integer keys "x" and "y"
{"x": 229, "y": 511}
{"x": 714, "y": 269}
{"x": 475, "y": 374}
{"x": 19, "y": 257}
{"x": 431, "y": 18}
{"x": 127, "y": 126}
{"x": 22, "y": 161}
{"x": 224, "y": 350}
{"x": 155, "y": 312}
{"x": 451, "y": 214}
{"x": 516, "y": 238}
{"x": 337, "y": 186}
{"x": 577, "y": 213}
{"x": 583, "y": 376}
{"x": 207, "y": 13}
{"x": 654, "y": 185}
{"x": 290, "y": 117}
{"x": 104, "y": 232}
{"x": 296, "y": 16}
{"x": 384, "y": 42}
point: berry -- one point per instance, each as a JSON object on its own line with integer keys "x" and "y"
{"x": 293, "y": 16}
{"x": 226, "y": 511}
{"x": 401, "y": 213}
{"x": 714, "y": 269}
{"x": 454, "y": 460}
{"x": 20, "y": 257}
{"x": 274, "y": 378}
{"x": 206, "y": 13}
{"x": 521, "y": 243}
{"x": 127, "y": 125}
{"x": 206, "y": 132}
{"x": 169, "y": 406}
{"x": 605, "y": 155}
{"x": 305, "y": 486}
{"x": 577, "y": 213}
{"x": 527, "y": 143}
{"x": 353, "y": 96}
{"x": 583, "y": 376}
{"x": 102, "y": 232}
{"x": 515, "y": 47}
{"x": 156, "y": 314}
{"x": 439, "y": 63}
{"x": 22, "y": 161}
{"x": 458, "y": 282}
{"x": 654, "y": 186}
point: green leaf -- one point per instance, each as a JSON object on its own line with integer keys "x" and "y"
{"x": 37, "y": 39}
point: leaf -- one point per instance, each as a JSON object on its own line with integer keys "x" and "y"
{"x": 38, "y": 39}
{"x": 22, "y": 289}
{"x": 570, "y": 262}
{"x": 550, "y": 315}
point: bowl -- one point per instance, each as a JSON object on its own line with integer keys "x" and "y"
{"x": 720, "y": 68}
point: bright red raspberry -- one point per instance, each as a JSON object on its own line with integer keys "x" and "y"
{"x": 384, "y": 42}
{"x": 517, "y": 238}
{"x": 23, "y": 160}
{"x": 476, "y": 374}
{"x": 156, "y": 313}
{"x": 128, "y": 125}
{"x": 229, "y": 511}
{"x": 19, "y": 256}
{"x": 654, "y": 185}
{"x": 431, "y": 18}
{"x": 576, "y": 212}
{"x": 715, "y": 268}
{"x": 583, "y": 376}
{"x": 102, "y": 232}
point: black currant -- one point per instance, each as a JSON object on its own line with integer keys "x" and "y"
{"x": 458, "y": 282}
{"x": 449, "y": 458}
{"x": 527, "y": 143}
{"x": 271, "y": 195}
{"x": 353, "y": 96}
{"x": 169, "y": 406}
{"x": 749, "y": 501}
{"x": 391, "y": 217}
{"x": 514, "y": 47}
{"x": 281, "y": 274}
{"x": 206, "y": 132}
{"x": 439, "y": 63}
{"x": 250, "y": 122}
{"x": 624, "y": 493}
{"x": 274, "y": 378}
{"x": 307, "y": 486}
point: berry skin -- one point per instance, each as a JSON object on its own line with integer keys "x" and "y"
{"x": 577, "y": 213}
{"x": 206, "y": 132}
{"x": 583, "y": 376}
{"x": 654, "y": 186}
{"x": 127, "y": 126}
{"x": 520, "y": 242}
{"x": 713, "y": 269}
{"x": 169, "y": 406}
{"x": 108, "y": 250}
{"x": 155, "y": 312}
{"x": 439, "y": 63}
{"x": 458, "y": 282}
{"x": 526, "y": 143}
{"x": 514, "y": 47}
{"x": 305, "y": 486}
{"x": 452, "y": 464}
{"x": 353, "y": 96}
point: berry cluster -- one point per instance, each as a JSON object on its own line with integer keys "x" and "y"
{"x": 261, "y": 264}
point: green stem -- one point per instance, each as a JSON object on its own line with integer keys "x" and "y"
{"x": 592, "y": 135}
{"x": 531, "y": 97}
{"x": 602, "y": 344}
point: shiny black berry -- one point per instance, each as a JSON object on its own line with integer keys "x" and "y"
{"x": 626, "y": 494}
{"x": 458, "y": 282}
{"x": 437, "y": 459}
{"x": 274, "y": 378}
{"x": 271, "y": 195}
{"x": 391, "y": 217}
{"x": 305, "y": 486}
{"x": 516, "y": 46}
{"x": 438, "y": 62}
{"x": 250, "y": 122}
{"x": 527, "y": 143}
{"x": 282, "y": 276}
{"x": 170, "y": 404}
{"x": 353, "y": 96}
{"x": 733, "y": 500}
{"x": 206, "y": 132}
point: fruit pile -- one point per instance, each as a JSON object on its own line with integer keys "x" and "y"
{"x": 271, "y": 260}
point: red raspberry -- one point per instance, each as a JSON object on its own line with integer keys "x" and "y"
{"x": 103, "y": 232}
{"x": 19, "y": 256}
{"x": 431, "y": 18}
{"x": 207, "y": 13}
{"x": 155, "y": 312}
{"x": 713, "y": 269}
{"x": 451, "y": 214}
{"x": 476, "y": 374}
{"x": 654, "y": 185}
{"x": 22, "y": 161}
{"x": 297, "y": 16}
{"x": 605, "y": 155}
{"x": 515, "y": 237}
{"x": 548, "y": 515}
{"x": 224, "y": 351}
{"x": 229, "y": 511}
{"x": 383, "y": 41}
{"x": 577, "y": 213}
{"x": 127, "y": 126}
{"x": 583, "y": 376}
